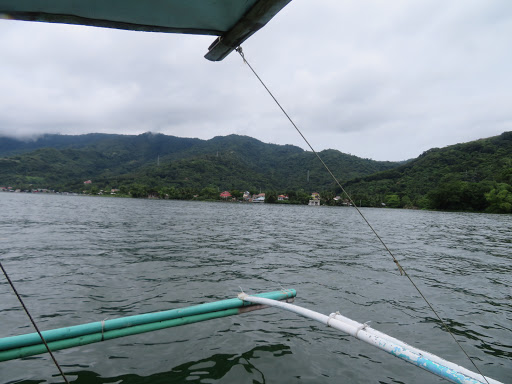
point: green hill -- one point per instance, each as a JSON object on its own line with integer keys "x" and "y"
{"x": 457, "y": 177}
{"x": 474, "y": 176}
{"x": 156, "y": 160}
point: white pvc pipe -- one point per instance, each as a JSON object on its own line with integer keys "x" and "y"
{"x": 425, "y": 354}
{"x": 425, "y": 360}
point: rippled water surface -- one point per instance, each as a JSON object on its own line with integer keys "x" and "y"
{"x": 82, "y": 259}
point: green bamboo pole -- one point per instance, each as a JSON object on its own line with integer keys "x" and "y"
{"x": 24, "y": 345}
{"x": 31, "y": 350}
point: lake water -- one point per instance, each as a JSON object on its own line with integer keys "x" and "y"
{"x": 78, "y": 259}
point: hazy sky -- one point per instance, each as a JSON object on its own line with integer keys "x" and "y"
{"x": 385, "y": 80}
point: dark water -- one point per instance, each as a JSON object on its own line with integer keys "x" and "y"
{"x": 82, "y": 259}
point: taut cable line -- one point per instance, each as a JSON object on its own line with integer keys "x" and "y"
{"x": 33, "y": 323}
{"x": 395, "y": 260}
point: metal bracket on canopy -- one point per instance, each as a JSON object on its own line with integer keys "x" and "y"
{"x": 256, "y": 18}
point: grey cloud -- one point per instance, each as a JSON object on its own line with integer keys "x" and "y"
{"x": 385, "y": 80}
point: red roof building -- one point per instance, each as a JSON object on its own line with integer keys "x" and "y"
{"x": 225, "y": 194}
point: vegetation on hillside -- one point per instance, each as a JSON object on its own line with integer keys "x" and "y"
{"x": 155, "y": 160}
{"x": 475, "y": 176}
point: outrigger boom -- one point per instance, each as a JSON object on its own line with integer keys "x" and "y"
{"x": 15, "y": 347}
{"x": 432, "y": 363}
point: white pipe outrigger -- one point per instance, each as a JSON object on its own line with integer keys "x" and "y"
{"x": 432, "y": 363}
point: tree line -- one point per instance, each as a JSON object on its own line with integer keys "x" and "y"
{"x": 474, "y": 176}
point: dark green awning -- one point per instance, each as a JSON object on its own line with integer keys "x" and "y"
{"x": 232, "y": 20}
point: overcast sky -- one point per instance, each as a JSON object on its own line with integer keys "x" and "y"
{"x": 384, "y": 80}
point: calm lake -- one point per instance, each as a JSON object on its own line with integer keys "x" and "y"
{"x": 78, "y": 259}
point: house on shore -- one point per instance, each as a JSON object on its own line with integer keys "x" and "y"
{"x": 315, "y": 199}
{"x": 259, "y": 198}
{"x": 225, "y": 195}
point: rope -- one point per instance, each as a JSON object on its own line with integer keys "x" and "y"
{"x": 362, "y": 327}
{"x": 33, "y": 323}
{"x": 400, "y": 269}
{"x": 103, "y": 329}
{"x": 395, "y": 260}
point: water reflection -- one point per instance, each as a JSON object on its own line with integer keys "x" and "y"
{"x": 206, "y": 370}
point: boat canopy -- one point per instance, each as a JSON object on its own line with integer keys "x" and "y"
{"x": 233, "y": 21}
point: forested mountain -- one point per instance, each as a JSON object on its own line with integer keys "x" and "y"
{"x": 156, "y": 160}
{"x": 474, "y": 176}
{"x": 471, "y": 176}
{"x": 123, "y": 147}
